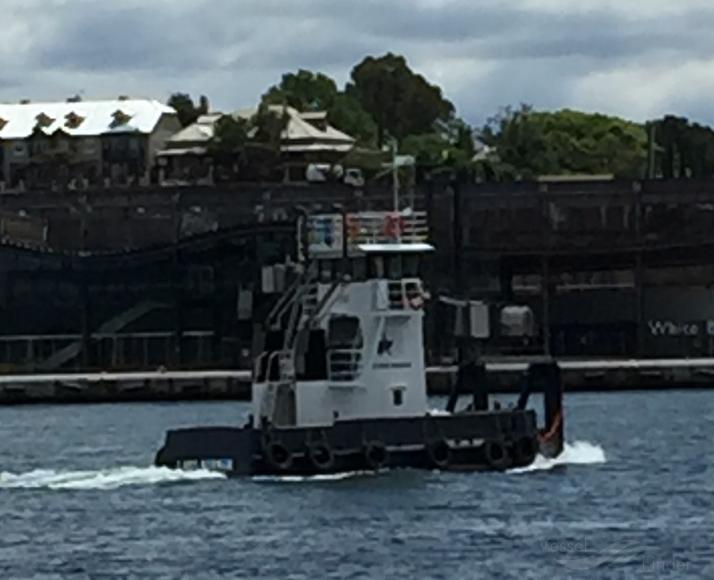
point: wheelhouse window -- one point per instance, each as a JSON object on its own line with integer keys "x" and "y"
{"x": 359, "y": 269}
{"x": 328, "y": 271}
{"x": 344, "y": 333}
{"x": 411, "y": 263}
{"x": 394, "y": 267}
{"x": 376, "y": 267}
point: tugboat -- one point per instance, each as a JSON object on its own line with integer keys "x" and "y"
{"x": 339, "y": 380}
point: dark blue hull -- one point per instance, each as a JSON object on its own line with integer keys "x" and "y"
{"x": 490, "y": 440}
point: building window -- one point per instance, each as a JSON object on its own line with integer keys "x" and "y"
{"x": 398, "y": 396}
{"x": 19, "y": 150}
{"x": 89, "y": 147}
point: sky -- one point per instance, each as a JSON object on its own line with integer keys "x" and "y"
{"x": 635, "y": 58}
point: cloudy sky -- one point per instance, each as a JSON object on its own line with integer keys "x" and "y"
{"x": 636, "y": 58}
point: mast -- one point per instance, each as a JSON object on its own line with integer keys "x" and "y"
{"x": 395, "y": 178}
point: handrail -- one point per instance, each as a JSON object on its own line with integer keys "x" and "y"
{"x": 321, "y": 305}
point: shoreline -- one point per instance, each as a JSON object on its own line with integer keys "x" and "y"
{"x": 504, "y": 376}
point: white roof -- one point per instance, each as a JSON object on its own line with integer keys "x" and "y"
{"x": 301, "y": 135}
{"x": 196, "y": 133}
{"x": 97, "y": 117}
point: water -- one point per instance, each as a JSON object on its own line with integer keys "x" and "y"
{"x": 631, "y": 498}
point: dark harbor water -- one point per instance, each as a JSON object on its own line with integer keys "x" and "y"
{"x": 633, "y": 498}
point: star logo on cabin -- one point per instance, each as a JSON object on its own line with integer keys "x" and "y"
{"x": 385, "y": 346}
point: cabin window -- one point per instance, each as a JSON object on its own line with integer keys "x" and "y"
{"x": 411, "y": 266}
{"x": 344, "y": 332}
{"x": 376, "y": 267}
{"x": 398, "y": 397}
{"x": 394, "y": 267}
{"x": 327, "y": 270}
{"x": 359, "y": 269}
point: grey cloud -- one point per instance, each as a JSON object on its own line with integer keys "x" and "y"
{"x": 233, "y": 49}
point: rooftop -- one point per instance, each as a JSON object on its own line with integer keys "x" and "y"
{"x": 81, "y": 118}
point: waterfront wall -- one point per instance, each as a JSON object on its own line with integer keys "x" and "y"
{"x": 142, "y": 279}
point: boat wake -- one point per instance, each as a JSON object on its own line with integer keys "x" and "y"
{"x": 102, "y": 480}
{"x": 578, "y": 453}
{"x": 311, "y": 478}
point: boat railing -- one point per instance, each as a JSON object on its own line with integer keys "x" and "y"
{"x": 344, "y": 365}
{"x": 385, "y": 227}
{"x": 280, "y": 367}
{"x": 258, "y": 367}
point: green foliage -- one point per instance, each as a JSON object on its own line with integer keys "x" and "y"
{"x": 304, "y": 90}
{"x": 400, "y": 101}
{"x": 230, "y": 138}
{"x": 268, "y": 124}
{"x": 347, "y": 115}
{"x": 187, "y": 111}
{"x": 315, "y": 91}
{"x": 530, "y": 143}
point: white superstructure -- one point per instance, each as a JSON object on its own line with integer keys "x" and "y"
{"x": 346, "y": 341}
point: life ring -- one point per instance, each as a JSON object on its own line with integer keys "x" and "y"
{"x": 376, "y": 455}
{"x": 394, "y": 226}
{"x": 496, "y": 455}
{"x": 415, "y": 296}
{"x": 525, "y": 450}
{"x": 278, "y": 456}
{"x": 321, "y": 456}
{"x": 439, "y": 454}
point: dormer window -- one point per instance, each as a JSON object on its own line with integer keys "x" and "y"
{"x": 73, "y": 120}
{"x": 43, "y": 121}
{"x": 119, "y": 118}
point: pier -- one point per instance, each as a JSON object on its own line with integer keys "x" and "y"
{"x": 504, "y": 377}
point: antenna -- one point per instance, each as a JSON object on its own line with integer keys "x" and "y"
{"x": 395, "y": 177}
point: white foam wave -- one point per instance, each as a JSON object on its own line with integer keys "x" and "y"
{"x": 311, "y": 478}
{"x": 102, "y": 480}
{"x": 577, "y": 453}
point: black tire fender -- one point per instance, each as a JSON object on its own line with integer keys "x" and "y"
{"x": 278, "y": 456}
{"x": 321, "y": 456}
{"x": 376, "y": 455}
{"x": 496, "y": 455}
{"x": 439, "y": 454}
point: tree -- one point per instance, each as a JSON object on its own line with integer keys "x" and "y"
{"x": 687, "y": 150}
{"x": 347, "y": 115}
{"x": 315, "y": 91}
{"x": 187, "y": 111}
{"x": 304, "y": 90}
{"x": 529, "y": 143}
{"x": 262, "y": 152}
{"x": 229, "y": 138}
{"x": 400, "y": 101}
